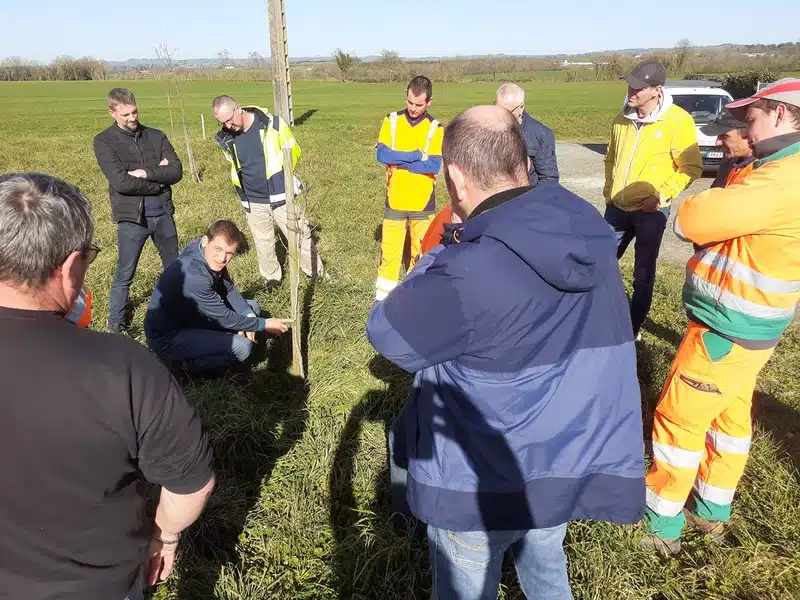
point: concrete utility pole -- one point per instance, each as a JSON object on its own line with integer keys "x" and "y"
{"x": 279, "y": 50}
{"x": 283, "y": 108}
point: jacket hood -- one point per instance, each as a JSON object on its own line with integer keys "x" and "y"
{"x": 663, "y": 106}
{"x": 556, "y": 233}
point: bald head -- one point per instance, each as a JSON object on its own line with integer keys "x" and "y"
{"x": 484, "y": 153}
{"x": 511, "y": 97}
{"x": 223, "y": 102}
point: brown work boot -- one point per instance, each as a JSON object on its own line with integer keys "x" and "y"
{"x": 715, "y": 530}
{"x": 660, "y": 545}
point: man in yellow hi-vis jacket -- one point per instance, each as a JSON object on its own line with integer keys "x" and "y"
{"x": 252, "y": 141}
{"x": 652, "y": 157}
{"x": 410, "y": 145}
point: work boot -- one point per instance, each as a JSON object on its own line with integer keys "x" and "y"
{"x": 715, "y": 530}
{"x": 660, "y": 545}
{"x": 117, "y": 328}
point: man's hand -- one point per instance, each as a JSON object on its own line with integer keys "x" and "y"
{"x": 140, "y": 173}
{"x": 650, "y": 204}
{"x": 160, "y": 558}
{"x": 276, "y": 326}
{"x": 164, "y": 162}
{"x": 250, "y": 335}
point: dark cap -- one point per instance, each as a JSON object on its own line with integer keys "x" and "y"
{"x": 647, "y": 73}
{"x": 723, "y": 123}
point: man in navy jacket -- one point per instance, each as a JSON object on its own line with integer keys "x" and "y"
{"x": 196, "y": 317}
{"x": 525, "y": 410}
{"x": 539, "y": 139}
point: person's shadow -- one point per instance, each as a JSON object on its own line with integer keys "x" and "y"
{"x": 241, "y": 422}
{"x": 359, "y": 533}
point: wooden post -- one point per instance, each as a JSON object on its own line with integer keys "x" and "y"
{"x": 293, "y": 237}
{"x": 279, "y": 48}
{"x": 203, "y": 124}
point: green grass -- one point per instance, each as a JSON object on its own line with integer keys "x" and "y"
{"x": 301, "y": 506}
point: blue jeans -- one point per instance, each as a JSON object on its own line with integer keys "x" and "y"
{"x": 203, "y": 350}
{"x": 130, "y": 242}
{"x": 648, "y": 229}
{"x": 467, "y": 565}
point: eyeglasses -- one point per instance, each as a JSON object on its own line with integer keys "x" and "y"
{"x": 229, "y": 121}
{"x": 91, "y": 252}
{"x": 513, "y": 111}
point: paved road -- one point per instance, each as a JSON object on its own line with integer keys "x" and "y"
{"x": 583, "y": 173}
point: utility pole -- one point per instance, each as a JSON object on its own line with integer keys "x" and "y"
{"x": 283, "y": 108}
{"x": 279, "y": 50}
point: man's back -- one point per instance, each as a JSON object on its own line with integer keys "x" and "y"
{"x": 84, "y": 416}
{"x": 527, "y": 390}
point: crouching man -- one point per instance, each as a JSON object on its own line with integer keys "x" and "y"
{"x": 197, "y": 319}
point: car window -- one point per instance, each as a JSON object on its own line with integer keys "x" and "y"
{"x": 701, "y": 107}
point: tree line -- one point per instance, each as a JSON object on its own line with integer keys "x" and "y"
{"x": 63, "y": 68}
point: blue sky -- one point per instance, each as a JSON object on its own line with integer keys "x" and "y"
{"x": 43, "y": 29}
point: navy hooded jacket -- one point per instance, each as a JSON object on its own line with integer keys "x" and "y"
{"x": 525, "y": 410}
{"x": 190, "y": 295}
{"x": 541, "y": 146}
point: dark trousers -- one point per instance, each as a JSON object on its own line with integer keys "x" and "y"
{"x": 130, "y": 241}
{"x": 204, "y": 350}
{"x": 648, "y": 229}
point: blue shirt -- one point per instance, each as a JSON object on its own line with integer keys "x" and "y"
{"x": 250, "y": 150}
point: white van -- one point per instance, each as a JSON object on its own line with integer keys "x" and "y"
{"x": 704, "y": 100}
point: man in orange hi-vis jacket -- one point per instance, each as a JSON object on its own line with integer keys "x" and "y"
{"x": 741, "y": 290}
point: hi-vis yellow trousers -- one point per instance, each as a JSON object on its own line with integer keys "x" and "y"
{"x": 702, "y": 430}
{"x": 392, "y": 245}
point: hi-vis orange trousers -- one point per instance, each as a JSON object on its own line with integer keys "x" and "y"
{"x": 702, "y": 430}
{"x": 392, "y": 245}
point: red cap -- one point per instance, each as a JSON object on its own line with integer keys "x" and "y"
{"x": 785, "y": 90}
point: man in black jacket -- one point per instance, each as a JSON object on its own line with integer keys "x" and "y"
{"x": 197, "y": 319}
{"x": 539, "y": 139}
{"x": 140, "y": 165}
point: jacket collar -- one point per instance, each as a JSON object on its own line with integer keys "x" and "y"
{"x": 778, "y": 147}
{"x": 664, "y": 104}
{"x": 498, "y": 199}
{"x": 132, "y": 134}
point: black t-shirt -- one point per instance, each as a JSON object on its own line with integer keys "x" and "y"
{"x": 85, "y": 417}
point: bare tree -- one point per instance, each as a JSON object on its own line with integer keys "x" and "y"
{"x": 174, "y": 87}
{"x": 682, "y": 55}
{"x": 257, "y": 61}
{"x": 224, "y": 58}
{"x": 345, "y": 62}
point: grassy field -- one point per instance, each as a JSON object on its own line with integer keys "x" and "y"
{"x": 302, "y": 503}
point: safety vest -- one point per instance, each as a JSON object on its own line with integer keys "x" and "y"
{"x": 434, "y": 124}
{"x": 81, "y": 311}
{"x": 744, "y": 281}
{"x": 275, "y": 136}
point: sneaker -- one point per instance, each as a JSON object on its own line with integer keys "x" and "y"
{"x": 715, "y": 530}
{"x": 117, "y": 328}
{"x": 660, "y": 545}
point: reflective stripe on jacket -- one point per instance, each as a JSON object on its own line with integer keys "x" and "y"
{"x": 275, "y": 136}
{"x": 744, "y": 281}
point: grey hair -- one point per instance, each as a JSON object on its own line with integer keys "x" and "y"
{"x": 42, "y": 220}
{"x": 490, "y": 150}
{"x": 510, "y": 93}
{"x": 120, "y": 96}
{"x": 221, "y": 101}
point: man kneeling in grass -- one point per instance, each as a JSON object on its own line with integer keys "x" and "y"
{"x": 197, "y": 319}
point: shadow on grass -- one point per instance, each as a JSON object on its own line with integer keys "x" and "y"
{"x": 782, "y": 422}
{"x": 301, "y": 120}
{"x": 367, "y": 547}
{"x": 242, "y": 421}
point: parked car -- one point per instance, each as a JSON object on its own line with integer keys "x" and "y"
{"x": 704, "y": 100}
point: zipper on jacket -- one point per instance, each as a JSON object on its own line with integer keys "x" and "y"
{"x": 639, "y": 127}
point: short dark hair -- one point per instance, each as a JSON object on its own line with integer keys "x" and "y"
{"x": 488, "y": 152}
{"x": 768, "y": 105}
{"x": 120, "y": 96}
{"x": 421, "y": 85}
{"x": 43, "y": 220}
{"x": 228, "y": 230}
